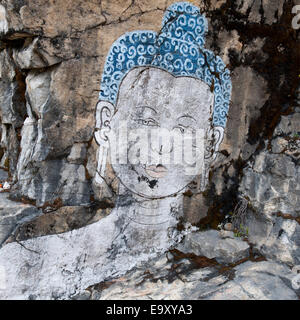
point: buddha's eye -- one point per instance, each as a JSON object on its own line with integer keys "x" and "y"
{"x": 148, "y": 122}
{"x": 181, "y": 128}
{"x": 185, "y": 130}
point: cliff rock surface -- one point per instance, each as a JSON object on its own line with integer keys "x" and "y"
{"x": 52, "y": 55}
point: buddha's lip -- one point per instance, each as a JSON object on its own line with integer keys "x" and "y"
{"x": 156, "y": 171}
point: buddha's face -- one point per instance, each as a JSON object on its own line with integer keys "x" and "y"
{"x": 151, "y": 105}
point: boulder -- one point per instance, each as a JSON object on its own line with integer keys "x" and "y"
{"x": 211, "y": 245}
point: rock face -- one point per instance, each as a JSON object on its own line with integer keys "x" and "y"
{"x": 54, "y": 127}
{"x": 211, "y": 245}
{"x": 14, "y": 214}
{"x": 271, "y": 183}
{"x": 185, "y": 279}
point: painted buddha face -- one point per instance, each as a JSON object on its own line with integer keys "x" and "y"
{"x": 138, "y": 94}
{"x": 165, "y": 119}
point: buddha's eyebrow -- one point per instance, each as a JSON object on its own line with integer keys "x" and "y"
{"x": 186, "y": 116}
{"x": 143, "y": 107}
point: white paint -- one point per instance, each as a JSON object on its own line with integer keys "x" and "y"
{"x": 60, "y": 266}
{"x": 6, "y": 186}
{"x": 2, "y": 279}
{"x": 3, "y": 20}
{"x": 296, "y": 19}
{"x": 296, "y": 282}
{"x": 153, "y": 100}
{"x": 141, "y": 226}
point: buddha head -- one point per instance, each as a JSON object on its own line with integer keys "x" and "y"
{"x": 162, "y": 106}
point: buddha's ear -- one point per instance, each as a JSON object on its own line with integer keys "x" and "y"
{"x": 215, "y": 137}
{"x": 104, "y": 113}
{"x": 218, "y": 137}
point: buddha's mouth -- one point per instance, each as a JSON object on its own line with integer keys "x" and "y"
{"x": 156, "y": 171}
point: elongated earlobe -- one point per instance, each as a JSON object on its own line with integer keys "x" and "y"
{"x": 218, "y": 138}
{"x": 104, "y": 113}
{"x": 215, "y": 137}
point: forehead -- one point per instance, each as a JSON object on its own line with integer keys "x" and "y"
{"x": 160, "y": 89}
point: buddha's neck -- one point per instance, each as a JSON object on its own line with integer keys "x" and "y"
{"x": 153, "y": 211}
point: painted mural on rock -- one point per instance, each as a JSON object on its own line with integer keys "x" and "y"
{"x": 167, "y": 87}
{"x": 166, "y": 80}
{"x": 153, "y": 85}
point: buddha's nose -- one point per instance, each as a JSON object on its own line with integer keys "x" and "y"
{"x": 161, "y": 148}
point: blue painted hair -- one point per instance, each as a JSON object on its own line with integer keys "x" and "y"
{"x": 178, "y": 49}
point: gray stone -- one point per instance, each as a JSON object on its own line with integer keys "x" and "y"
{"x": 10, "y": 144}
{"x": 282, "y": 242}
{"x": 211, "y": 245}
{"x": 13, "y": 214}
{"x": 226, "y": 234}
{"x": 85, "y": 295}
{"x": 257, "y": 281}
{"x": 12, "y": 104}
{"x": 47, "y": 180}
{"x": 59, "y": 220}
{"x": 77, "y": 154}
{"x": 47, "y": 139}
{"x": 12, "y": 110}
{"x": 288, "y": 125}
{"x": 32, "y": 56}
{"x": 3, "y": 175}
{"x": 50, "y": 180}
{"x": 248, "y": 281}
{"x": 279, "y": 145}
{"x": 272, "y": 184}
{"x": 272, "y": 10}
{"x": 38, "y": 92}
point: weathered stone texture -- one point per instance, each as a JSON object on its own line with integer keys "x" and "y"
{"x": 52, "y": 55}
{"x": 271, "y": 184}
{"x": 211, "y": 245}
{"x": 183, "y": 279}
{"x": 61, "y": 49}
{"x": 14, "y": 214}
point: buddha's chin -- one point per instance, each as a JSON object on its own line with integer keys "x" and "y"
{"x": 156, "y": 189}
{"x": 152, "y": 181}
